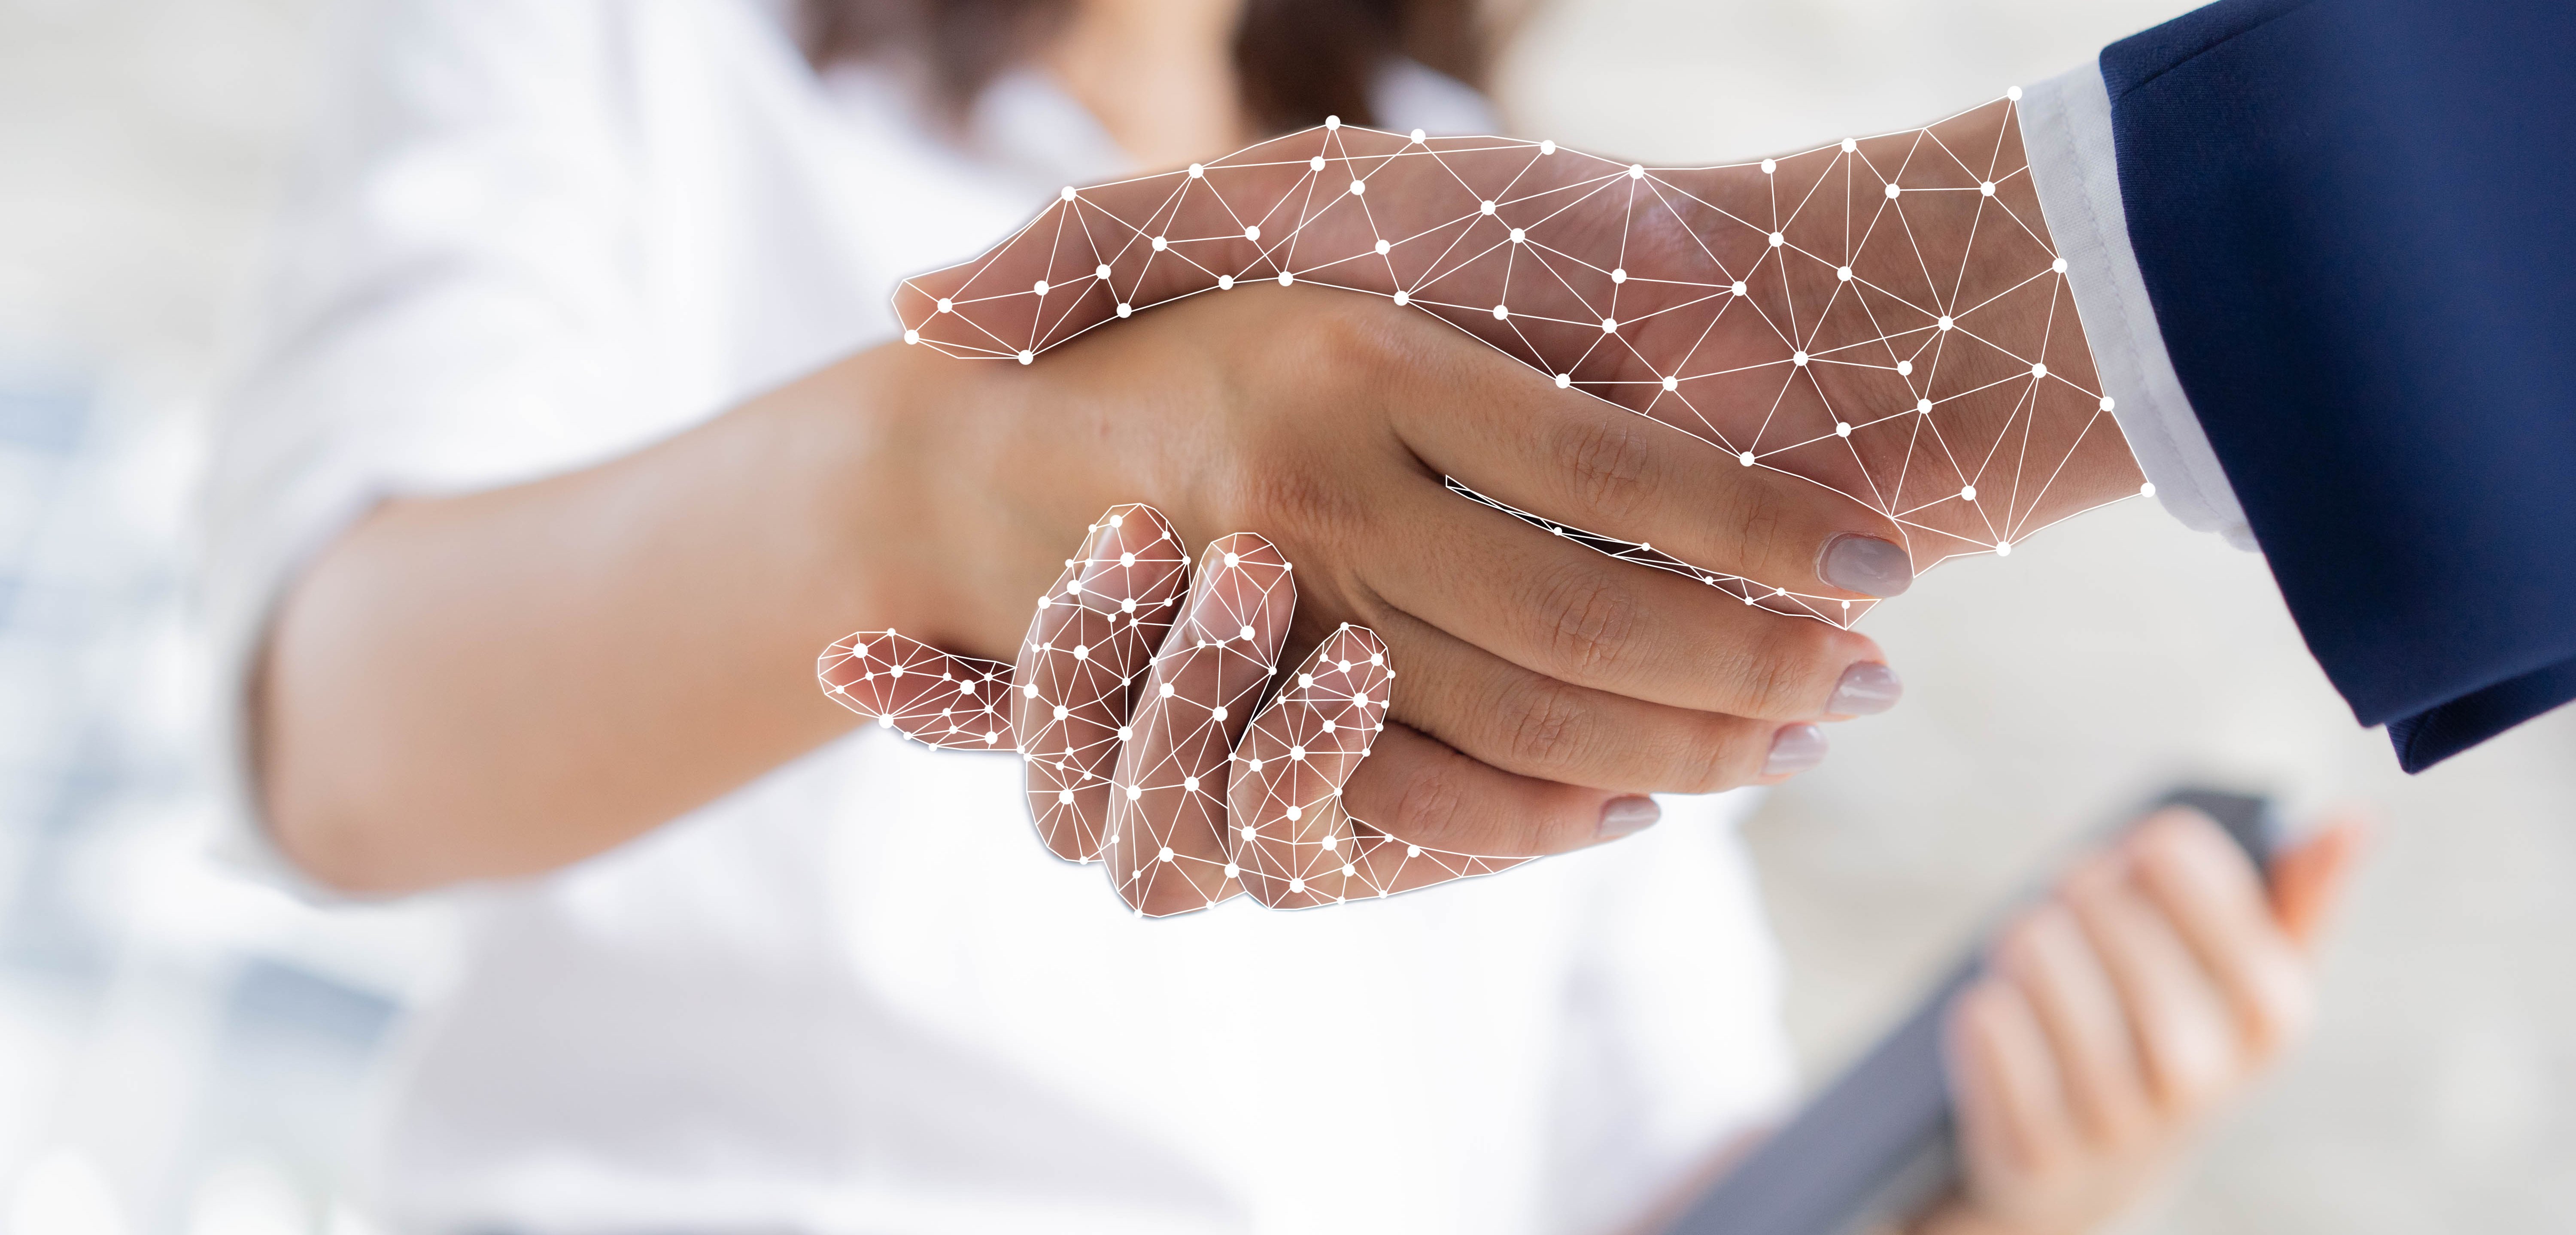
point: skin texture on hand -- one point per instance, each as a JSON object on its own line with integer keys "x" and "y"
{"x": 1134, "y": 708}
{"x": 1884, "y": 316}
{"x": 2121, "y": 1015}
{"x": 1882, "y": 319}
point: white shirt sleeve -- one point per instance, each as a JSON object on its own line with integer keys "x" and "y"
{"x": 450, "y": 298}
{"x": 2066, "y": 131}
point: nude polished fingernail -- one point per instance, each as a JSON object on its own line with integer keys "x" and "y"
{"x": 1866, "y": 689}
{"x": 1865, "y": 564}
{"x": 1795, "y": 748}
{"x": 1620, "y": 816}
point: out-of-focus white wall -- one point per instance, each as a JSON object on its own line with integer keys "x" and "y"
{"x": 2105, "y": 657}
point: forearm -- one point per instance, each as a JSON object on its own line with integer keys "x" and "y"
{"x": 498, "y": 683}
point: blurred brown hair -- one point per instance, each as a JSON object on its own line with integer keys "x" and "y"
{"x": 1299, "y": 60}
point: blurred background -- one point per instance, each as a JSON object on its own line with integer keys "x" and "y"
{"x": 186, "y": 1049}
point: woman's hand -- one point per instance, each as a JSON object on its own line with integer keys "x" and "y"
{"x": 2115, "y": 1019}
{"x": 1133, "y": 705}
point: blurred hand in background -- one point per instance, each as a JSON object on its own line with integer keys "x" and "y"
{"x": 2124, "y": 1012}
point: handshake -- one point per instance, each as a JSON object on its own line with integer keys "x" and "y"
{"x": 1786, "y": 386}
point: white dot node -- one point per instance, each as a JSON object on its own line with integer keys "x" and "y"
{"x": 1850, "y": 146}
{"x": 2013, "y": 93}
{"x": 1064, "y": 797}
{"x": 1330, "y": 725}
{"x": 1246, "y": 632}
{"x": 946, "y": 305}
{"x": 1904, "y": 368}
{"x": 1746, "y": 458}
{"x": 1924, "y": 406}
{"x": 2039, "y": 369}
{"x": 1296, "y": 885}
{"x": 1225, "y": 283}
{"x": 912, "y": 336}
{"x": 1168, "y": 690}
{"x": 1776, "y": 239}
{"x": 1297, "y": 753}
{"x": 1502, "y": 312}
{"x": 2106, "y": 403}
{"x": 1769, "y": 166}
{"x": 1359, "y": 187}
{"x": 1737, "y": 288}
{"x": 1843, "y": 273}
{"x": 1564, "y": 380}
{"x": 1986, "y": 189}
{"x": 1234, "y": 559}
{"x": 1519, "y": 236}
{"x": 1166, "y": 855}
{"x": 1125, "y": 309}
{"x": 1124, "y": 559}
{"x": 1135, "y": 792}
{"x": 1619, "y": 275}
{"x": 1295, "y": 813}
{"x": 2058, "y": 266}
{"x": 1417, "y": 135}
{"x": 1893, "y": 190}
{"x": 1287, "y": 279}
{"x": 1945, "y": 322}
{"x": 1217, "y": 712}
{"x": 1332, "y": 122}
{"x": 1252, "y": 231}
{"x": 1040, "y": 287}
{"x": 1061, "y": 711}
{"x": 1636, "y": 171}
{"x": 1672, "y": 383}
{"x": 1233, "y": 871}
{"x": 1842, "y": 428}
{"x": 1547, "y": 147}
{"x": 1306, "y": 681}
{"x": 1799, "y": 359}
{"x": 1344, "y": 666}
{"x": 1068, "y": 193}
{"x": 1609, "y": 325}
{"x": 1027, "y": 355}
{"x": 2147, "y": 490}
{"x": 1382, "y": 248}
{"x": 1485, "y": 207}
{"x": 1126, "y": 733}
{"x": 2003, "y": 548}
{"x": 1161, "y": 243}
{"x": 1030, "y": 690}
{"x": 1101, "y": 271}
{"x": 1413, "y": 851}
{"x": 1332, "y": 843}
{"x": 1968, "y": 494}
{"x": 1197, "y": 172}
{"x": 1316, "y": 163}
{"x": 1403, "y": 297}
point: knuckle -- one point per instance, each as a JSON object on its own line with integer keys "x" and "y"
{"x": 1431, "y": 801}
{"x": 1779, "y": 680}
{"x": 1610, "y": 464}
{"x": 1588, "y": 616}
{"x": 1547, "y": 729}
{"x": 1755, "y": 514}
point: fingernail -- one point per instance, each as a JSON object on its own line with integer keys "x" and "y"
{"x": 1624, "y": 815}
{"x": 1866, "y": 564}
{"x": 1867, "y": 689}
{"x": 1795, "y": 748}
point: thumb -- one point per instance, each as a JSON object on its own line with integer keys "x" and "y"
{"x": 2309, "y": 878}
{"x": 930, "y": 696}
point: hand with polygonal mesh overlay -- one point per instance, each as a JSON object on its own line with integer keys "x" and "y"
{"x": 1761, "y": 379}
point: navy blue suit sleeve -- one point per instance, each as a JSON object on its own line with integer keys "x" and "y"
{"x": 2357, "y": 222}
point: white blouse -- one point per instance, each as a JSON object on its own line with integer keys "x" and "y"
{"x": 541, "y": 234}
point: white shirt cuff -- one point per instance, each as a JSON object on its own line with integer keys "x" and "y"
{"x": 2066, "y": 131}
